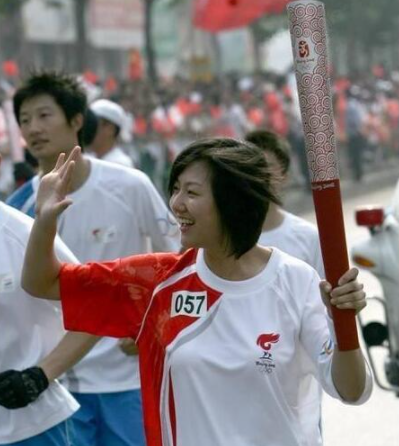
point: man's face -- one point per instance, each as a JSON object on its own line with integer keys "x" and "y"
{"x": 105, "y": 136}
{"x": 45, "y": 127}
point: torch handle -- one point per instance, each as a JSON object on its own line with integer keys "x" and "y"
{"x": 330, "y": 222}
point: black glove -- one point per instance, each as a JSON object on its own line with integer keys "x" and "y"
{"x": 20, "y": 388}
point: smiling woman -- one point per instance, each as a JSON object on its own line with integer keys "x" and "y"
{"x": 228, "y": 324}
{"x": 223, "y": 185}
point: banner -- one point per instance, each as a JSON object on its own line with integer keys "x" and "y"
{"x": 116, "y": 24}
{"x": 49, "y": 22}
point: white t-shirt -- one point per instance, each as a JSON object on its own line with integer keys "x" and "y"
{"x": 30, "y": 329}
{"x": 6, "y": 175}
{"x": 116, "y": 213}
{"x": 118, "y": 156}
{"x": 219, "y": 359}
{"x": 296, "y": 237}
{"x": 299, "y": 238}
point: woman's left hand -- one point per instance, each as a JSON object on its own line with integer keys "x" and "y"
{"x": 348, "y": 295}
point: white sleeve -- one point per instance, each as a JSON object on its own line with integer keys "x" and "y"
{"x": 317, "y": 263}
{"x": 156, "y": 221}
{"x": 318, "y": 338}
{"x": 64, "y": 254}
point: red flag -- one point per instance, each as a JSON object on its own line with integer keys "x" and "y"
{"x": 10, "y": 68}
{"x": 110, "y": 85}
{"x": 90, "y": 76}
{"x": 135, "y": 67}
{"x": 220, "y": 15}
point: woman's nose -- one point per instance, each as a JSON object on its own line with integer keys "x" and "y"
{"x": 177, "y": 202}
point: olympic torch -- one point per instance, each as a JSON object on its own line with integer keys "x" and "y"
{"x": 309, "y": 43}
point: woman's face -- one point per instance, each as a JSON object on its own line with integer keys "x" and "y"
{"x": 194, "y": 207}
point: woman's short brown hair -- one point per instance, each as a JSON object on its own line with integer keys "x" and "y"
{"x": 240, "y": 183}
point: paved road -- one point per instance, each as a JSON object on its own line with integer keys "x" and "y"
{"x": 377, "y": 422}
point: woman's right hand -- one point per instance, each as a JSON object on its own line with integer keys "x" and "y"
{"x": 53, "y": 189}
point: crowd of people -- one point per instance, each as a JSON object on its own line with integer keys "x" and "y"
{"x": 155, "y": 124}
{"x": 180, "y": 111}
{"x": 176, "y": 316}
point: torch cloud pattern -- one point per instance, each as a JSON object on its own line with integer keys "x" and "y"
{"x": 309, "y": 45}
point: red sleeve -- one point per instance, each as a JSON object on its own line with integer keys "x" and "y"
{"x": 111, "y": 298}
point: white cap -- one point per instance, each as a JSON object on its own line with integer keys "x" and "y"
{"x": 111, "y": 111}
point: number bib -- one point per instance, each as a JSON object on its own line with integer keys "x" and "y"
{"x": 189, "y": 303}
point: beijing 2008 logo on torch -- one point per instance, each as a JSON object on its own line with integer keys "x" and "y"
{"x": 305, "y": 55}
{"x": 265, "y": 363}
{"x": 303, "y": 49}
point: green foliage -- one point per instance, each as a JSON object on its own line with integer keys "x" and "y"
{"x": 369, "y": 21}
{"x": 267, "y": 26}
{"x": 367, "y": 29}
{"x": 8, "y": 7}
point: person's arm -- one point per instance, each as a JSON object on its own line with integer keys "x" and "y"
{"x": 348, "y": 367}
{"x": 69, "y": 351}
{"x": 18, "y": 388}
{"x": 349, "y": 374}
{"x": 41, "y": 266}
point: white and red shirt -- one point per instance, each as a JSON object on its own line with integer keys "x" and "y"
{"x": 117, "y": 212}
{"x": 218, "y": 359}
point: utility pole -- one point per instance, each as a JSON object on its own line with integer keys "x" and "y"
{"x": 81, "y": 42}
{"x": 152, "y": 72}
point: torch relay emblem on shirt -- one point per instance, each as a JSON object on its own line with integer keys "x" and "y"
{"x": 265, "y": 363}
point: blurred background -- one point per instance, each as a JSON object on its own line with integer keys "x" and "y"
{"x": 110, "y": 37}
{"x": 183, "y": 69}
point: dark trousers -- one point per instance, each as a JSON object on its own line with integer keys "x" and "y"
{"x": 356, "y": 147}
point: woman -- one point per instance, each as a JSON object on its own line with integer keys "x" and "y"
{"x": 222, "y": 328}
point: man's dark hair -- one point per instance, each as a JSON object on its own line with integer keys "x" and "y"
{"x": 269, "y": 142}
{"x": 89, "y": 129}
{"x": 64, "y": 89}
{"x": 241, "y": 186}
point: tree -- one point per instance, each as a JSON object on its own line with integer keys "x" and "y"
{"x": 81, "y": 41}
{"x": 11, "y": 32}
{"x": 264, "y": 29}
{"x": 152, "y": 72}
{"x": 365, "y": 27}
{"x": 10, "y": 6}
